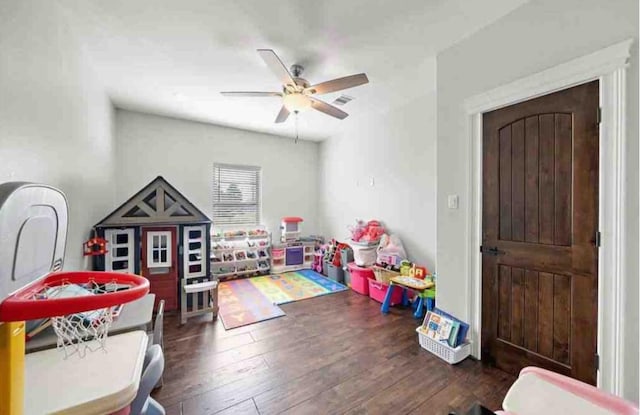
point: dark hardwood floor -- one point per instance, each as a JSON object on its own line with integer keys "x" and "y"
{"x": 329, "y": 355}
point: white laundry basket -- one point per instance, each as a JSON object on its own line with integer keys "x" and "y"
{"x": 364, "y": 255}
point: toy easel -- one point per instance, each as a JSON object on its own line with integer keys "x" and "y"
{"x": 33, "y": 225}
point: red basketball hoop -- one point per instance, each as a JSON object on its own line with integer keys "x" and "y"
{"x": 80, "y": 305}
{"x": 32, "y": 301}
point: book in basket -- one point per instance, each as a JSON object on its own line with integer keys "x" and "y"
{"x": 441, "y": 328}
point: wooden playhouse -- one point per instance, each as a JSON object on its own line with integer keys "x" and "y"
{"x": 160, "y": 235}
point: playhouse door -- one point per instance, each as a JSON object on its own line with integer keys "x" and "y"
{"x": 159, "y": 265}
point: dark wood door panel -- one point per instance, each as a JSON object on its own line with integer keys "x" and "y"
{"x": 512, "y": 358}
{"x": 534, "y": 310}
{"x": 535, "y": 179}
{"x": 540, "y": 200}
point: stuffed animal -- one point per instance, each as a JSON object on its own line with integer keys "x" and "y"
{"x": 369, "y": 232}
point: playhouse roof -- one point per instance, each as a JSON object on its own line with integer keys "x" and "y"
{"x": 157, "y": 203}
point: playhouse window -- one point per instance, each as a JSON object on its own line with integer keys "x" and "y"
{"x": 236, "y": 195}
{"x": 119, "y": 256}
{"x": 158, "y": 249}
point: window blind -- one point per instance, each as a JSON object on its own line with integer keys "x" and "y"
{"x": 236, "y": 195}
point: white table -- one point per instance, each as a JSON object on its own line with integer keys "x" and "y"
{"x": 99, "y": 383}
{"x": 135, "y": 315}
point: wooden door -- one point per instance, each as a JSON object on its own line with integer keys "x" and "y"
{"x": 540, "y": 217}
{"x": 159, "y": 265}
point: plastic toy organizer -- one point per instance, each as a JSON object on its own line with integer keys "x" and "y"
{"x": 240, "y": 253}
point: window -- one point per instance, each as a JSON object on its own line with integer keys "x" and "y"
{"x": 158, "y": 249}
{"x": 236, "y": 195}
{"x": 119, "y": 256}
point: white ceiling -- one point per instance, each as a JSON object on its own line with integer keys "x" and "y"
{"x": 173, "y": 57}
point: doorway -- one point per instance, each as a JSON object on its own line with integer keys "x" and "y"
{"x": 159, "y": 264}
{"x": 539, "y": 234}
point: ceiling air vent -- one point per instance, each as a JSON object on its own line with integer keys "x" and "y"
{"x": 341, "y": 100}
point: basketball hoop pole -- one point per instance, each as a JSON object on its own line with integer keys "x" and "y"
{"x": 12, "y": 339}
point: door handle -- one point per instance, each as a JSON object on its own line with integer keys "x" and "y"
{"x": 491, "y": 251}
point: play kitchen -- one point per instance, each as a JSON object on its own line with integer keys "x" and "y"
{"x": 293, "y": 253}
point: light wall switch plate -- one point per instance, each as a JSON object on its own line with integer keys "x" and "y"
{"x": 452, "y": 201}
{"x": 372, "y": 182}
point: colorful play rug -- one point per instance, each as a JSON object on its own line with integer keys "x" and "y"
{"x": 248, "y": 301}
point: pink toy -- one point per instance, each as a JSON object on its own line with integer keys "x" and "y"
{"x": 317, "y": 262}
{"x": 371, "y": 232}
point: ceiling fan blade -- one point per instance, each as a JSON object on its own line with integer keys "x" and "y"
{"x": 277, "y": 67}
{"x": 282, "y": 115}
{"x": 251, "y": 94}
{"x": 328, "y": 109}
{"x": 338, "y": 84}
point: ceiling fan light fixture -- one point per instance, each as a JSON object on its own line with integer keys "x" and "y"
{"x": 296, "y": 102}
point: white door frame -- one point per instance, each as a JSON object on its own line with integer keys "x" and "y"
{"x": 609, "y": 67}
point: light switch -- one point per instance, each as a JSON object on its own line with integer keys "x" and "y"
{"x": 452, "y": 201}
{"x": 372, "y": 182}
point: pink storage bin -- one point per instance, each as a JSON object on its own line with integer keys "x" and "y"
{"x": 360, "y": 277}
{"x": 378, "y": 290}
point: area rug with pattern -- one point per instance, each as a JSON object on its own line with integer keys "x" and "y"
{"x": 248, "y": 301}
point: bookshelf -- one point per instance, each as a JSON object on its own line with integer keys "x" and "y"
{"x": 240, "y": 252}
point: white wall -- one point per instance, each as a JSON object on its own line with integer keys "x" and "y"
{"x": 538, "y": 35}
{"x": 183, "y": 152}
{"x": 398, "y": 150}
{"x": 55, "y": 120}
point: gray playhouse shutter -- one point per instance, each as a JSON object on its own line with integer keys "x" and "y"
{"x": 236, "y": 195}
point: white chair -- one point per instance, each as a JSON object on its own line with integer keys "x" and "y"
{"x": 208, "y": 289}
{"x": 156, "y": 336}
{"x": 144, "y": 404}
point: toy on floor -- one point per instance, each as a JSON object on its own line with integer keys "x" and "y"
{"x": 159, "y": 234}
{"x": 332, "y": 260}
{"x": 417, "y": 281}
{"x": 317, "y": 261}
{"x": 203, "y": 297}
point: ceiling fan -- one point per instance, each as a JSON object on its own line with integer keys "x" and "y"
{"x": 297, "y": 93}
